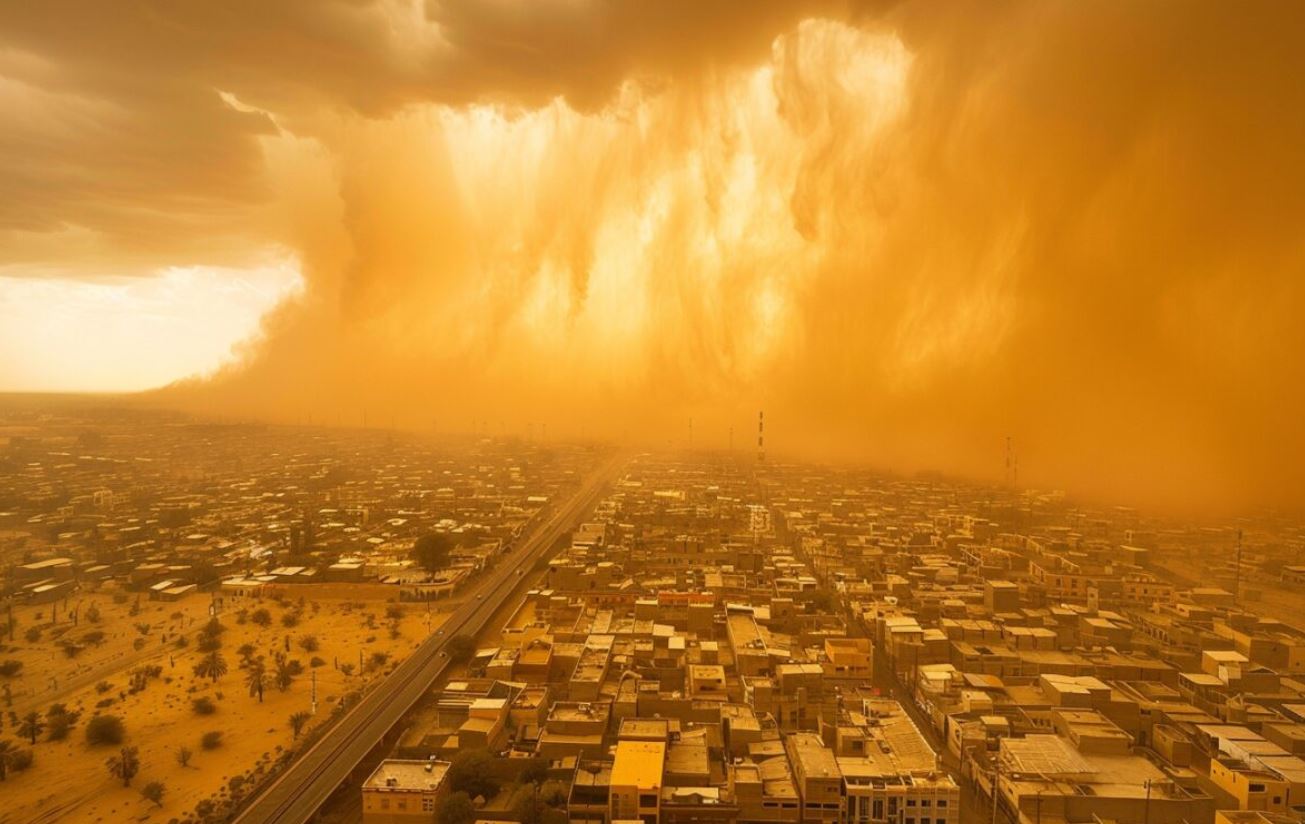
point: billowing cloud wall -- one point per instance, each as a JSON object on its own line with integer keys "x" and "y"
{"x": 905, "y": 230}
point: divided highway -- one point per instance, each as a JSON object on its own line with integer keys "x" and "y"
{"x": 296, "y": 793}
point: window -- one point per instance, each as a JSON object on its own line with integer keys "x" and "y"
{"x": 428, "y": 803}
{"x": 647, "y": 801}
{"x": 910, "y": 802}
{"x": 942, "y": 802}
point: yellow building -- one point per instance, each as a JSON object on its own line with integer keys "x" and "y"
{"x": 1251, "y": 789}
{"x": 636, "y": 786}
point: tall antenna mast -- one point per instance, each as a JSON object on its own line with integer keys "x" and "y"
{"x": 1237, "y": 596}
{"x": 761, "y": 439}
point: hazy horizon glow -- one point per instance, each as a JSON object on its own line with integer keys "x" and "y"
{"x": 128, "y": 335}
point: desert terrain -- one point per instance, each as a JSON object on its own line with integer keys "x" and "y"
{"x": 113, "y": 653}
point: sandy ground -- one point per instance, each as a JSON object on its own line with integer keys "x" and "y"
{"x": 69, "y": 781}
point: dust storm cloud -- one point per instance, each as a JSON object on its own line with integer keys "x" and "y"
{"x": 906, "y": 230}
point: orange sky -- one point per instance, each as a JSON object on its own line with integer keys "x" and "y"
{"x": 905, "y": 229}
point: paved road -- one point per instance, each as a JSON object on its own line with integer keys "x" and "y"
{"x": 296, "y": 794}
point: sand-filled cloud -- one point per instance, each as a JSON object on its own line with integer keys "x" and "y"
{"x": 906, "y": 230}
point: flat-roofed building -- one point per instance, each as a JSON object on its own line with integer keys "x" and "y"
{"x": 404, "y": 792}
{"x": 636, "y": 782}
{"x": 817, "y": 776}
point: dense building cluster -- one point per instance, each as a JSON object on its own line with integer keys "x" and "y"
{"x": 720, "y": 639}
{"x": 725, "y": 642}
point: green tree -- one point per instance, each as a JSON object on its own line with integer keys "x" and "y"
{"x": 256, "y": 679}
{"x": 124, "y": 765}
{"x": 285, "y": 673}
{"x": 457, "y": 809}
{"x": 31, "y": 726}
{"x": 461, "y": 648}
{"x": 431, "y": 552}
{"x": 472, "y": 772}
{"x": 212, "y": 665}
{"x": 298, "y": 720}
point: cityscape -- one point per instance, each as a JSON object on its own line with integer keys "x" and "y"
{"x": 248, "y": 622}
{"x": 652, "y": 412}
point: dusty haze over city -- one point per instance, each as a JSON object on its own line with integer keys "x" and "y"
{"x": 905, "y": 230}
{"x": 652, "y": 412}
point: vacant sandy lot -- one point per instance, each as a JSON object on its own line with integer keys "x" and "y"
{"x": 69, "y": 780}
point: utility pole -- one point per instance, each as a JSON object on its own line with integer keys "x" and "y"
{"x": 996, "y": 778}
{"x": 314, "y": 673}
{"x": 1146, "y": 805}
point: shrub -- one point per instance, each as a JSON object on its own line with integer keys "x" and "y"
{"x": 20, "y": 760}
{"x": 290, "y": 619}
{"x": 203, "y": 706}
{"x": 57, "y": 727}
{"x": 211, "y": 740}
{"x": 309, "y": 643}
{"x": 10, "y": 668}
{"x": 32, "y": 635}
{"x": 261, "y": 617}
{"x": 154, "y": 792}
{"x": 104, "y": 729}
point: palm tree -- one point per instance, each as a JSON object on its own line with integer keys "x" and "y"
{"x": 212, "y": 665}
{"x": 6, "y": 749}
{"x": 124, "y": 765}
{"x": 31, "y": 725}
{"x": 298, "y": 720}
{"x": 284, "y": 674}
{"x": 256, "y": 679}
